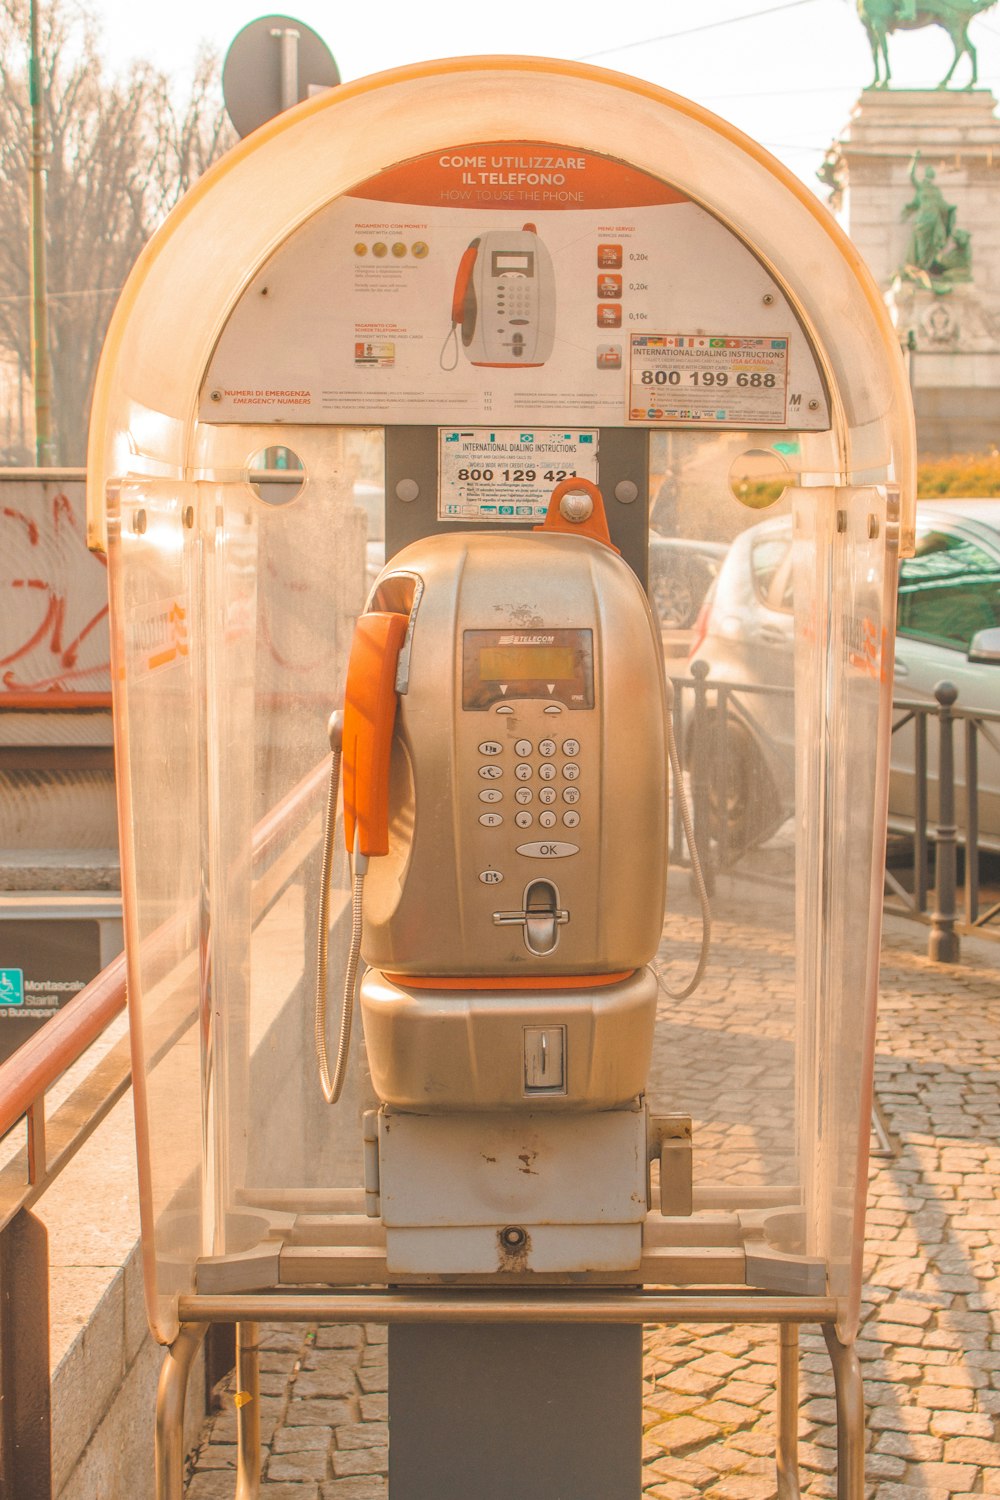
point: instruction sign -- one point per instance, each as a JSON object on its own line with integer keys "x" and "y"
{"x": 508, "y": 474}
{"x": 700, "y": 378}
{"x": 515, "y": 284}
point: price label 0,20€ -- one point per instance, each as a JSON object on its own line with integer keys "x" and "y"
{"x": 723, "y": 380}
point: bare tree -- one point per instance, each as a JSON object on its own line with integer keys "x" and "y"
{"x": 120, "y": 152}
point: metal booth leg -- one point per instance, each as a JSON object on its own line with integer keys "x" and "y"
{"x": 850, "y": 1395}
{"x": 247, "y": 1411}
{"x": 171, "y": 1395}
{"x": 788, "y": 1411}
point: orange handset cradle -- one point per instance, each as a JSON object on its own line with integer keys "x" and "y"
{"x": 370, "y": 702}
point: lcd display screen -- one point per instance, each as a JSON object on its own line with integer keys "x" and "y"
{"x": 557, "y": 665}
{"x": 521, "y": 263}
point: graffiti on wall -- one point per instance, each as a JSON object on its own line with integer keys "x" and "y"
{"x": 53, "y": 594}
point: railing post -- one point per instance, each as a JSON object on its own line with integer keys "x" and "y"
{"x": 701, "y": 773}
{"x": 971, "y": 821}
{"x": 25, "y": 1391}
{"x": 943, "y": 945}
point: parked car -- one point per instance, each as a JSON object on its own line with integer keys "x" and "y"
{"x": 947, "y": 628}
{"x": 681, "y": 571}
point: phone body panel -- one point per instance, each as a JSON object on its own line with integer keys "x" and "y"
{"x": 574, "y": 766}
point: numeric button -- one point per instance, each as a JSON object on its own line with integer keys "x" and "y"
{"x": 546, "y": 771}
{"x": 523, "y": 794}
{"x": 521, "y": 771}
{"x": 571, "y": 794}
{"x": 522, "y": 747}
{"x": 546, "y": 747}
{"x": 571, "y": 771}
{"x": 570, "y": 747}
{"x": 547, "y": 818}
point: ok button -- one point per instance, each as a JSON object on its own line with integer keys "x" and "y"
{"x": 548, "y": 849}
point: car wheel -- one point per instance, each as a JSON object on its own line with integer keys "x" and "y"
{"x": 675, "y": 598}
{"x": 743, "y": 803}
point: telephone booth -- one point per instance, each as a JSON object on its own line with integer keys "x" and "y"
{"x": 395, "y": 318}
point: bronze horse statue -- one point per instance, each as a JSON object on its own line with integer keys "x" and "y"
{"x": 881, "y": 17}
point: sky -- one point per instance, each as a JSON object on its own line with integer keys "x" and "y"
{"x": 785, "y": 71}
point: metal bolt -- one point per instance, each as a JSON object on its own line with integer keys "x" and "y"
{"x": 187, "y": 516}
{"x": 576, "y": 506}
{"x": 407, "y": 490}
{"x": 814, "y": 405}
{"x": 215, "y": 395}
{"x": 768, "y": 299}
{"x": 513, "y": 1237}
{"x": 626, "y": 491}
{"x": 139, "y": 522}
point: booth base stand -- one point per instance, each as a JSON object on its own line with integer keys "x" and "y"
{"x": 528, "y": 1409}
{"x": 483, "y": 1403}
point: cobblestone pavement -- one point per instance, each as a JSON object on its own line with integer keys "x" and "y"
{"x": 930, "y": 1344}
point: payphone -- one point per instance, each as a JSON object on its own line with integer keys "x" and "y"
{"x": 504, "y": 300}
{"x": 505, "y": 743}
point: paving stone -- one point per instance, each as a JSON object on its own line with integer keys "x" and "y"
{"x": 358, "y": 1487}
{"x": 340, "y": 1336}
{"x": 950, "y": 1477}
{"x": 306, "y": 1465}
{"x": 743, "y": 1487}
{"x": 361, "y": 1461}
{"x": 681, "y": 1433}
{"x": 972, "y": 1450}
{"x": 963, "y": 1424}
{"x": 315, "y": 1411}
{"x": 363, "y": 1435}
{"x": 301, "y": 1439}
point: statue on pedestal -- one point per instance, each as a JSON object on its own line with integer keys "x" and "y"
{"x": 938, "y": 254}
{"x": 881, "y": 17}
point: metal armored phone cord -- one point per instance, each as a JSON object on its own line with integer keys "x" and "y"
{"x": 699, "y": 877}
{"x": 333, "y": 1087}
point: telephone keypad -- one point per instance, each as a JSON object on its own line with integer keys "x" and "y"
{"x": 554, "y": 762}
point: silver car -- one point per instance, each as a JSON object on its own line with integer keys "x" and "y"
{"x": 947, "y": 629}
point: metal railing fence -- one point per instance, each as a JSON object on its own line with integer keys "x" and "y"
{"x": 736, "y": 740}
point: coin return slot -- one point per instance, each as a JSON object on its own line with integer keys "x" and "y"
{"x": 545, "y": 1059}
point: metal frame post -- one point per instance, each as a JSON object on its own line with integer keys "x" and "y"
{"x": 171, "y": 1397}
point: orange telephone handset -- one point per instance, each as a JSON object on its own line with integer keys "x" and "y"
{"x": 370, "y": 704}
{"x": 463, "y": 308}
